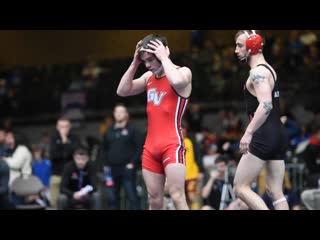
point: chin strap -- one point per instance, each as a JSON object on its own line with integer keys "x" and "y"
{"x": 245, "y": 59}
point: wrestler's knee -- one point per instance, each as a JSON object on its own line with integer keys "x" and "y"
{"x": 155, "y": 201}
{"x": 176, "y": 191}
{"x": 274, "y": 193}
{"x": 240, "y": 189}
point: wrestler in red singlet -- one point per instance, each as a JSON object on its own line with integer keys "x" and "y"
{"x": 165, "y": 109}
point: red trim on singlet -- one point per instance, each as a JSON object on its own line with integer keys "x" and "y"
{"x": 182, "y": 106}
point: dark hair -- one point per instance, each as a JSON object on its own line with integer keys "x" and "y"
{"x": 120, "y": 104}
{"x": 152, "y": 37}
{"x": 222, "y": 158}
{"x": 20, "y": 139}
{"x": 37, "y": 148}
{"x": 81, "y": 150}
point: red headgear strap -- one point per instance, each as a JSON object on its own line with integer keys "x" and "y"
{"x": 254, "y": 43}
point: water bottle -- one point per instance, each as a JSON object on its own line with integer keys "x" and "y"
{"x": 108, "y": 180}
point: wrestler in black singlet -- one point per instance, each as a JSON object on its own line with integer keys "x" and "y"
{"x": 270, "y": 141}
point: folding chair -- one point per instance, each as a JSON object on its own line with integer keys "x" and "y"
{"x": 25, "y": 186}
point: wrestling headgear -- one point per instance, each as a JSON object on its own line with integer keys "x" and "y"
{"x": 254, "y": 42}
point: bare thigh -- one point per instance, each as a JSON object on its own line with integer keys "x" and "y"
{"x": 248, "y": 169}
{"x": 154, "y": 183}
{"x": 176, "y": 175}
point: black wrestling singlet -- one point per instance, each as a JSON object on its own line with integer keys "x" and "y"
{"x": 270, "y": 141}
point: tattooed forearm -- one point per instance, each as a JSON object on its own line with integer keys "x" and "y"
{"x": 258, "y": 78}
{"x": 268, "y": 107}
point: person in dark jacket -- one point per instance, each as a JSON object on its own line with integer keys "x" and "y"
{"x": 122, "y": 146}
{"x": 62, "y": 146}
{"x": 79, "y": 183}
{"x": 5, "y": 202}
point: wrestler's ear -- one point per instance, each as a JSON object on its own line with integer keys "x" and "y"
{"x": 168, "y": 50}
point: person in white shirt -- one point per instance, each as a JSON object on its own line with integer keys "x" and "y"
{"x": 18, "y": 157}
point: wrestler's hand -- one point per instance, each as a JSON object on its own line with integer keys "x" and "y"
{"x": 136, "y": 58}
{"x": 245, "y": 142}
{"x": 158, "y": 49}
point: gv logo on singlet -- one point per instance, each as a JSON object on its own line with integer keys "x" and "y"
{"x": 155, "y": 97}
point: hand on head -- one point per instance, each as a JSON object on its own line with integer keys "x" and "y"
{"x": 136, "y": 53}
{"x": 158, "y": 49}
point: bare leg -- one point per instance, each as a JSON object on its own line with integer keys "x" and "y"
{"x": 247, "y": 171}
{"x": 274, "y": 176}
{"x": 176, "y": 184}
{"x": 155, "y": 187}
{"x": 237, "y": 204}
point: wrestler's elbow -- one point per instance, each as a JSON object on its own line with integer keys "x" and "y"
{"x": 123, "y": 91}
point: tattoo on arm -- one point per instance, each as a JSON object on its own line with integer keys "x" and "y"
{"x": 268, "y": 107}
{"x": 258, "y": 78}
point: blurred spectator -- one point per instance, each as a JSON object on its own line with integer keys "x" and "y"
{"x": 79, "y": 183}
{"x": 18, "y": 156}
{"x": 210, "y": 157}
{"x": 3, "y": 146}
{"x": 212, "y": 190}
{"x": 41, "y": 166}
{"x": 5, "y": 202}
{"x": 62, "y": 146}
{"x": 122, "y": 147}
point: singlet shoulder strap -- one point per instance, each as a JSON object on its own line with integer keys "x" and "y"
{"x": 266, "y": 66}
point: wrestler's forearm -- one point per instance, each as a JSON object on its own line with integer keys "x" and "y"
{"x": 126, "y": 83}
{"x": 260, "y": 116}
{"x": 175, "y": 77}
